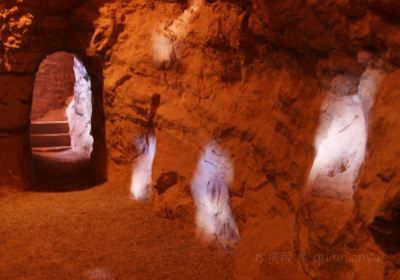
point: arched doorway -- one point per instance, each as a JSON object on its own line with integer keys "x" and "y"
{"x": 61, "y": 128}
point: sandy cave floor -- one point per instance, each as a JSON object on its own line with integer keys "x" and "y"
{"x": 99, "y": 233}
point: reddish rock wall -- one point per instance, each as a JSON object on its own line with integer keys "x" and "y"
{"x": 251, "y": 75}
{"x": 54, "y": 87}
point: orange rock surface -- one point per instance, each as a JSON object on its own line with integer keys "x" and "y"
{"x": 250, "y": 75}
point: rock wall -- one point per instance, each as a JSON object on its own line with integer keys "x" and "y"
{"x": 377, "y": 195}
{"x": 249, "y": 75}
{"x": 30, "y": 32}
{"x": 54, "y": 88}
{"x": 79, "y": 112}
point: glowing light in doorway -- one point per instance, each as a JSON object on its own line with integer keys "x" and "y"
{"x": 79, "y": 112}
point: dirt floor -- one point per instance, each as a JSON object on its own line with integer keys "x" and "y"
{"x": 61, "y": 171}
{"x": 99, "y": 233}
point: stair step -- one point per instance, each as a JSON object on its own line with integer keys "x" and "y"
{"x": 50, "y": 140}
{"x": 50, "y": 149}
{"x": 54, "y": 127}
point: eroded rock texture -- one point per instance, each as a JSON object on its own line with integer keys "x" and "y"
{"x": 54, "y": 88}
{"x": 251, "y": 76}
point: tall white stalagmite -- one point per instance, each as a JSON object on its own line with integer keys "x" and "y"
{"x": 210, "y": 184}
{"x": 342, "y": 136}
{"x": 141, "y": 174}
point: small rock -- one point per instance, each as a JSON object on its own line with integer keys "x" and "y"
{"x": 166, "y": 180}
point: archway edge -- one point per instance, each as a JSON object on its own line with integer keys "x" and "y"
{"x": 15, "y": 152}
{"x": 94, "y": 67}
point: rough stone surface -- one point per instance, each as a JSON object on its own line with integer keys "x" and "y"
{"x": 251, "y": 75}
{"x": 165, "y": 181}
{"x": 54, "y": 88}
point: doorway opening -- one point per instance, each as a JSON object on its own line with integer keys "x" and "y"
{"x": 60, "y": 129}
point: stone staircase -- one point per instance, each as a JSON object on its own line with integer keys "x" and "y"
{"x": 50, "y": 136}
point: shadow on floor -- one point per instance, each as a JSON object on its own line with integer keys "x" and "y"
{"x": 62, "y": 171}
